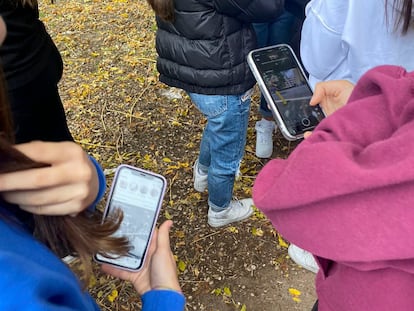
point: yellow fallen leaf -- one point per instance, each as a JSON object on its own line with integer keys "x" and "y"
{"x": 282, "y": 242}
{"x": 257, "y": 232}
{"x": 294, "y": 292}
{"x": 233, "y": 229}
{"x": 180, "y": 234}
{"x": 113, "y": 295}
{"x": 182, "y": 266}
{"x": 216, "y": 291}
{"x": 167, "y": 215}
{"x": 176, "y": 123}
{"x": 227, "y": 291}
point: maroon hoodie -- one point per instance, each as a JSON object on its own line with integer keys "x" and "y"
{"x": 346, "y": 194}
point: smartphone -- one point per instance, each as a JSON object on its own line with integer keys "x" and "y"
{"x": 283, "y": 84}
{"x": 139, "y": 194}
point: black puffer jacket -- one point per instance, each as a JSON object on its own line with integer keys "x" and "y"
{"x": 204, "y": 51}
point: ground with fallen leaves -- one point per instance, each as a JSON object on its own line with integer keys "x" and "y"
{"x": 120, "y": 113}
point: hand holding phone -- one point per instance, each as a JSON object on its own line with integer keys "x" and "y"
{"x": 284, "y": 86}
{"x": 138, "y": 194}
{"x": 332, "y": 95}
{"x": 160, "y": 269}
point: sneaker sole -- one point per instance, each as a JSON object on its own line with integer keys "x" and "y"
{"x": 264, "y": 156}
{"x": 218, "y": 224}
{"x": 199, "y": 189}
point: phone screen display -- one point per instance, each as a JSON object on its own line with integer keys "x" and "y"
{"x": 139, "y": 195}
{"x": 288, "y": 88}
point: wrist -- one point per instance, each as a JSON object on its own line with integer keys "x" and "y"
{"x": 174, "y": 289}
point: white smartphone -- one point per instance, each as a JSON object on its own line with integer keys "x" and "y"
{"x": 283, "y": 84}
{"x": 139, "y": 194}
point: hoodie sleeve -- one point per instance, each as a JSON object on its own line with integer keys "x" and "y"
{"x": 102, "y": 183}
{"x": 322, "y": 48}
{"x": 346, "y": 193}
{"x": 160, "y": 300}
{"x": 256, "y": 11}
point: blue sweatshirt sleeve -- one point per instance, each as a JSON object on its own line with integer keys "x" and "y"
{"x": 32, "y": 278}
{"x": 102, "y": 184}
{"x": 163, "y": 299}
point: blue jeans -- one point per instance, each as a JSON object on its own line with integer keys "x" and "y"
{"x": 223, "y": 142}
{"x": 276, "y": 32}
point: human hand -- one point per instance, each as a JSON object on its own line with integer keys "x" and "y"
{"x": 159, "y": 271}
{"x": 67, "y": 186}
{"x": 307, "y": 134}
{"x": 331, "y": 95}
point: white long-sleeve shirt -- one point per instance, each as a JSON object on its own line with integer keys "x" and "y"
{"x": 342, "y": 39}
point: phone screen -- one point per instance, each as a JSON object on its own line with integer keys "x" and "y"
{"x": 139, "y": 195}
{"x": 288, "y": 88}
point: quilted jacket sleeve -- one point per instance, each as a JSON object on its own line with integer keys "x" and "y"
{"x": 251, "y": 11}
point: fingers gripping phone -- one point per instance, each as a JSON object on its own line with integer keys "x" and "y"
{"x": 284, "y": 86}
{"x": 139, "y": 194}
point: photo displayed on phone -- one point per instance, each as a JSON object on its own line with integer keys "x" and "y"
{"x": 139, "y": 195}
{"x": 288, "y": 88}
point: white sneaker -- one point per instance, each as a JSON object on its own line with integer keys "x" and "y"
{"x": 303, "y": 258}
{"x": 68, "y": 259}
{"x": 264, "y": 138}
{"x": 199, "y": 178}
{"x": 237, "y": 210}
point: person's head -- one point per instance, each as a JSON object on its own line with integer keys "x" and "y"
{"x": 84, "y": 234}
{"x": 163, "y": 9}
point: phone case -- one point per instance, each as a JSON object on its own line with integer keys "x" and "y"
{"x": 154, "y": 218}
{"x": 265, "y": 91}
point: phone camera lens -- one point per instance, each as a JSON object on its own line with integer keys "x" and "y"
{"x": 306, "y": 122}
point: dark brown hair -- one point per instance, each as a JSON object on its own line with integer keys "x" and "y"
{"x": 164, "y": 9}
{"x": 31, "y": 3}
{"x": 84, "y": 234}
{"x": 5, "y": 117}
{"x": 404, "y": 18}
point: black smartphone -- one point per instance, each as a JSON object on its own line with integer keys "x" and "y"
{"x": 139, "y": 194}
{"x": 283, "y": 84}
